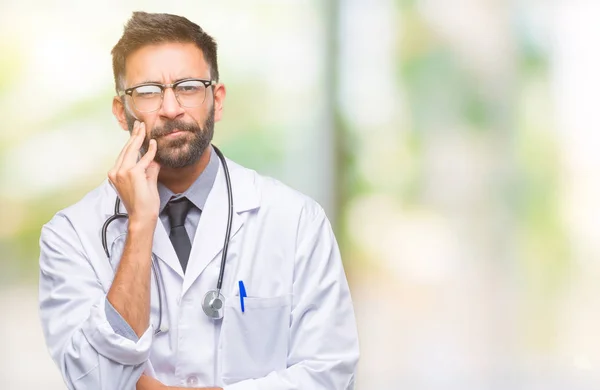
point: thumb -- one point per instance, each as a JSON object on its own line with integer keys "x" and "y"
{"x": 152, "y": 172}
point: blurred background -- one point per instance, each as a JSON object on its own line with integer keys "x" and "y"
{"x": 453, "y": 143}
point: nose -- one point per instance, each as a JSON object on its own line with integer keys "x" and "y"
{"x": 170, "y": 108}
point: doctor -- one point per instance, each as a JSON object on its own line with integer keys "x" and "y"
{"x": 124, "y": 303}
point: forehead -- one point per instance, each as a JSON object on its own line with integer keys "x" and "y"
{"x": 165, "y": 63}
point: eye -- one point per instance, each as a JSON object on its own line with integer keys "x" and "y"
{"x": 189, "y": 87}
{"x": 146, "y": 91}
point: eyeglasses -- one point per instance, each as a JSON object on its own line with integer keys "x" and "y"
{"x": 149, "y": 97}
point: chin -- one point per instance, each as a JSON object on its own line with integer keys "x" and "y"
{"x": 177, "y": 159}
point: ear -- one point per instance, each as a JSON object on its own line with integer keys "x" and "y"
{"x": 118, "y": 109}
{"x": 219, "y": 92}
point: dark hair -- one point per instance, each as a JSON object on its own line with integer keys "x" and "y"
{"x": 150, "y": 29}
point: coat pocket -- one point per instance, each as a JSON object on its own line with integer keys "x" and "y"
{"x": 254, "y": 342}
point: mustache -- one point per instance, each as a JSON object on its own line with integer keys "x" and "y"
{"x": 171, "y": 125}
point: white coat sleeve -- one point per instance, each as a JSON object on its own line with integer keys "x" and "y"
{"x": 324, "y": 349}
{"x": 89, "y": 354}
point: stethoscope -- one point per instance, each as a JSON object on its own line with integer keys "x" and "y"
{"x": 212, "y": 304}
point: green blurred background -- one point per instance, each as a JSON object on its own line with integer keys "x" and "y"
{"x": 453, "y": 143}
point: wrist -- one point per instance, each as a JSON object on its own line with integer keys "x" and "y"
{"x": 141, "y": 226}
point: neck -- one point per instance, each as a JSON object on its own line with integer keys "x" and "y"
{"x": 180, "y": 179}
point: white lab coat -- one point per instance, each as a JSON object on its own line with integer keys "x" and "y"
{"x": 298, "y": 330}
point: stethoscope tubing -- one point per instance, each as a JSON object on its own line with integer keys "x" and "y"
{"x": 158, "y": 279}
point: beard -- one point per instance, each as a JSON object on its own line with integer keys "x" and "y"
{"x": 186, "y": 149}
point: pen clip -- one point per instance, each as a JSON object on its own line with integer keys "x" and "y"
{"x": 242, "y": 295}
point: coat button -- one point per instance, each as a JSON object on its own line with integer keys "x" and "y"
{"x": 192, "y": 380}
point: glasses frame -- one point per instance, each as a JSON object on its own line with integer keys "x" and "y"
{"x": 163, "y": 87}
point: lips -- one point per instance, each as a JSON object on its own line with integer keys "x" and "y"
{"x": 171, "y": 128}
{"x": 174, "y": 133}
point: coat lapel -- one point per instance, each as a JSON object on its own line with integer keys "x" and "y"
{"x": 210, "y": 234}
{"x": 163, "y": 249}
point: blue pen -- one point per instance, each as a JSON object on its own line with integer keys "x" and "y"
{"x": 242, "y": 294}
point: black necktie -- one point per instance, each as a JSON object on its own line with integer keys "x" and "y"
{"x": 177, "y": 211}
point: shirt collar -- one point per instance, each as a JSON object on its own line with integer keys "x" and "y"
{"x": 198, "y": 192}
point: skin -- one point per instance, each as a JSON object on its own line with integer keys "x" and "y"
{"x": 135, "y": 179}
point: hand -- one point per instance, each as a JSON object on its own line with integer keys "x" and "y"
{"x": 135, "y": 181}
{"x": 148, "y": 383}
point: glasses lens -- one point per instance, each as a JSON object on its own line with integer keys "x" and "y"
{"x": 147, "y": 98}
{"x": 190, "y": 93}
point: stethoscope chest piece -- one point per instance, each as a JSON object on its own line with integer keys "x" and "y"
{"x": 212, "y": 304}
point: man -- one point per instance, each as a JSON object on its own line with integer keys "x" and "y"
{"x": 123, "y": 303}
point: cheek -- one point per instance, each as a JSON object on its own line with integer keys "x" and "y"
{"x": 197, "y": 117}
{"x": 198, "y": 112}
{"x": 202, "y": 113}
{"x": 150, "y": 122}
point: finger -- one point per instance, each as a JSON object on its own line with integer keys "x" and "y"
{"x": 131, "y": 154}
{"x": 112, "y": 173}
{"x": 152, "y": 173}
{"x": 149, "y": 156}
{"x": 129, "y": 141}
{"x": 147, "y": 382}
{"x": 143, "y": 382}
